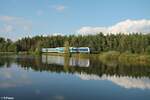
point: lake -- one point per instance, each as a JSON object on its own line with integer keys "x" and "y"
{"x": 63, "y": 78}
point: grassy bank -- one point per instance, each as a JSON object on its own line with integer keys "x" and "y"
{"x": 105, "y": 56}
{"x": 125, "y": 57}
{"x": 19, "y": 53}
{"x": 8, "y": 53}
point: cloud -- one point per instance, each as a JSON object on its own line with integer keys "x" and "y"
{"x": 10, "y": 26}
{"x": 127, "y": 26}
{"x": 59, "y": 8}
{"x": 6, "y": 28}
{"x": 6, "y": 18}
{"x": 91, "y": 30}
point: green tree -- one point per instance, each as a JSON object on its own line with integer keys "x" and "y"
{"x": 66, "y": 49}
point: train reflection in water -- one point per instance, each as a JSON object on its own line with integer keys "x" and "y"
{"x": 60, "y": 60}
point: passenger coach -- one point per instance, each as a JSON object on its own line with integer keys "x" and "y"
{"x": 62, "y": 49}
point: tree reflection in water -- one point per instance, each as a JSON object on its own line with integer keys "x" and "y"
{"x": 76, "y": 65}
{"x": 125, "y": 75}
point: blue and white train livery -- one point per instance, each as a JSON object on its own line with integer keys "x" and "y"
{"x": 62, "y": 49}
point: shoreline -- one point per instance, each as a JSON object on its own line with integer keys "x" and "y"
{"x": 128, "y": 58}
{"x": 110, "y": 55}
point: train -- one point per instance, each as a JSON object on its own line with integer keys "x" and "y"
{"x": 62, "y": 50}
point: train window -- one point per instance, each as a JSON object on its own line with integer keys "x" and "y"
{"x": 83, "y": 49}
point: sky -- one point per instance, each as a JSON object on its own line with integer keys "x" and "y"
{"x": 20, "y": 18}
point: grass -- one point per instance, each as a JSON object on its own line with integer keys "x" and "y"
{"x": 110, "y": 55}
{"x": 125, "y": 57}
{"x": 7, "y": 53}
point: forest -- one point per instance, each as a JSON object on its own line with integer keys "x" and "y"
{"x": 132, "y": 43}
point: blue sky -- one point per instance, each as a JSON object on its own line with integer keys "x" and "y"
{"x": 20, "y": 18}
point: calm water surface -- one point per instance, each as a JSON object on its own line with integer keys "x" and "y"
{"x": 63, "y": 78}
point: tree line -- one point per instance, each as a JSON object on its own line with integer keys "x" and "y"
{"x": 6, "y": 45}
{"x": 133, "y": 43}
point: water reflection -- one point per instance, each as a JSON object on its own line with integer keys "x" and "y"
{"x": 123, "y": 81}
{"x": 61, "y": 60}
{"x": 124, "y": 75}
{"x": 9, "y": 78}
